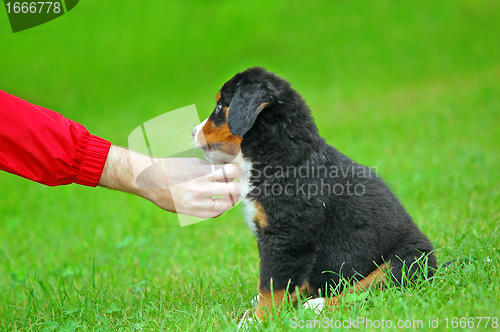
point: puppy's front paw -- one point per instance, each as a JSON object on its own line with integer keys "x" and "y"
{"x": 254, "y": 301}
{"x": 317, "y": 304}
{"x": 247, "y": 321}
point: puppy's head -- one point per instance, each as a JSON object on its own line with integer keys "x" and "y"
{"x": 238, "y": 105}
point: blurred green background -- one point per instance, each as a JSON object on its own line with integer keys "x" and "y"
{"x": 411, "y": 87}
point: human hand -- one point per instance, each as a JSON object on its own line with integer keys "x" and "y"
{"x": 190, "y": 185}
{"x": 180, "y": 185}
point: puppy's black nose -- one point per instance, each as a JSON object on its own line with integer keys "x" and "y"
{"x": 193, "y": 132}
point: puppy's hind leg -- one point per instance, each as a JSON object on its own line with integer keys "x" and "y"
{"x": 411, "y": 266}
{"x": 375, "y": 279}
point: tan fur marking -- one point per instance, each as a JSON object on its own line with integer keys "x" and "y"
{"x": 220, "y": 134}
{"x": 266, "y": 299}
{"x": 218, "y": 97}
{"x": 260, "y": 217}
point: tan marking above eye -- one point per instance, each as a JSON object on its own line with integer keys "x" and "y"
{"x": 218, "y": 97}
{"x": 221, "y": 134}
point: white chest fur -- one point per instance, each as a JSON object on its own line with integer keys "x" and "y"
{"x": 245, "y": 188}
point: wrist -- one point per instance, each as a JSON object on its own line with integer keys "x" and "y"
{"x": 137, "y": 174}
{"x": 118, "y": 172}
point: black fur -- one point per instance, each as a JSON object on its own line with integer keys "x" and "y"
{"x": 315, "y": 238}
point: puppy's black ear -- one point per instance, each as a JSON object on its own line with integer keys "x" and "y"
{"x": 245, "y": 107}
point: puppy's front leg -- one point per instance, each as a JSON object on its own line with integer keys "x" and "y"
{"x": 268, "y": 298}
{"x": 280, "y": 275}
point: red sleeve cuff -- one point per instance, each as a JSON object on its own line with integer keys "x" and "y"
{"x": 93, "y": 161}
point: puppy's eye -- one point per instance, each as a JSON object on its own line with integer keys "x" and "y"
{"x": 218, "y": 108}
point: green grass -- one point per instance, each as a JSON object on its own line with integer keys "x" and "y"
{"x": 411, "y": 87}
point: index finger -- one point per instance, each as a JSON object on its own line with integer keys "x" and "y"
{"x": 228, "y": 171}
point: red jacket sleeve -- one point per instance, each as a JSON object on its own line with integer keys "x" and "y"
{"x": 44, "y": 146}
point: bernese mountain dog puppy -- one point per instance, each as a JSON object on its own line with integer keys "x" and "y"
{"x": 320, "y": 218}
